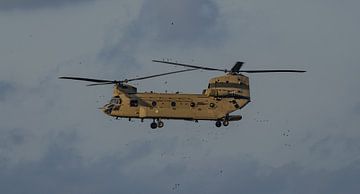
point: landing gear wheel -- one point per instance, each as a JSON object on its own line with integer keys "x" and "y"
{"x": 160, "y": 124}
{"x": 153, "y": 125}
{"x": 218, "y": 124}
{"x": 226, "y": 123}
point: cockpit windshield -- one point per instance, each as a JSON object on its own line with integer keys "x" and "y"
{"x": 115, "y": 100}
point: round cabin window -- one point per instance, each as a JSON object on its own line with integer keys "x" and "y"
{"x": 173, "y": 104}
{"x": 192, "y": 104}
{"x": 153, "y": 103}
{"x": 212, "y": 105}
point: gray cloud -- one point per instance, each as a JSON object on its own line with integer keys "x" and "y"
{"x": 35, "y": 4}
{"x": 5, "y": 89}
{"x": 356, "y": 108}
{"x": 104, "y": 156}
{"x": 164, "y": 21}
{"x": 337, "y": 146}
{"x": 64, "y": 170}
{"x": 11, "y": 140}
{"x": 164, "y": 24}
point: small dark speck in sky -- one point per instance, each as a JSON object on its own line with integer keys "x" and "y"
{"x": 176, "y": 186}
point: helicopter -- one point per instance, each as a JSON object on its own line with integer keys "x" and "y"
{"x": 224, "y": 95}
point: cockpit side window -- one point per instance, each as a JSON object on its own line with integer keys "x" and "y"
{"x": 115, "y": 100}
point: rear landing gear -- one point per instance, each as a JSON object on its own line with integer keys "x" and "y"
{"x": 153, "y": 125}
{"x": 160, "y": 124}
{"x": 218, "y": 124}
{"x": 226, "y": 123}
{"x": 156, "y": 124}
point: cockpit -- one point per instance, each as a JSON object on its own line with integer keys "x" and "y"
{"x": 116, "y": 100}
{"x": 114, "y": 105}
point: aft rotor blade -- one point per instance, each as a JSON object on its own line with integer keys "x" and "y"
{"x": 273, "y": 71}
{"x": 192, "y": 66}
{"x": 101, "y": 84}
{"x": 157, "y": 75}
{"x": 88, "y": 79}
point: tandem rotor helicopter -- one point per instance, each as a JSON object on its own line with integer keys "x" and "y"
{"x": 224, "y": 95}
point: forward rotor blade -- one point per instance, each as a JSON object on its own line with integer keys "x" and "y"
{"x": 157, "y": 75}
{"x": 192, "y": 66}
{"x": 88, "y": 79}
{"x": 99, "y": 82}
{"x": 273, "y": 71}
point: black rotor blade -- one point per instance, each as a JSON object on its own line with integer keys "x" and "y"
{"x": 235, "y": 69}
{"x": 101, "y": 84}
{"x": 157, "y": 75}
{"x": 273, "y": 71}
{"x": 192, "y": 66}
{"x": 88, "y": 79}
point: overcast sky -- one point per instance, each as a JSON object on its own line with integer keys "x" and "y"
{"x": 300, "y": 133}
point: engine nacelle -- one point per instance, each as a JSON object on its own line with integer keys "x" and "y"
{"x": 229, "y": 86}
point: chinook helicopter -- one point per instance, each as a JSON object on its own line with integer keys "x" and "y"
{"x": 224, "y": 95}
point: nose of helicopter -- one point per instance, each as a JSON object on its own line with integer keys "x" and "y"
{"x": 107, "y": 108}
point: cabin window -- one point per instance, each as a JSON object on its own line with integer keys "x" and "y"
{"x": 192, "y": 104}
{"x": 134, "y": 103}
{"x": 173, "y": 104}
{"x": 153, "y": 103}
